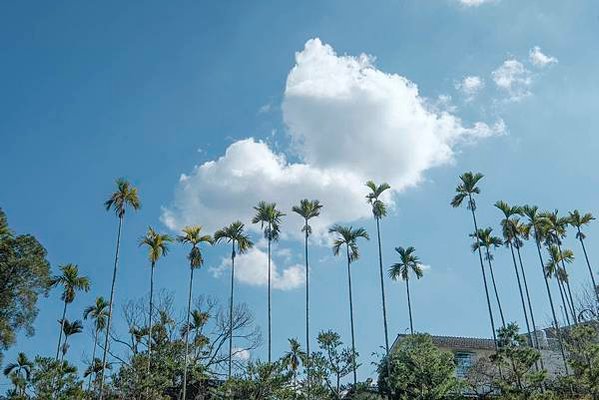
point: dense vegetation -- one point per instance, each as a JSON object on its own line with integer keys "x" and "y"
{"x": 204, "y": 355}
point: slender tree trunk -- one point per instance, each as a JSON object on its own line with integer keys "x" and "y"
{"x": 532, "y": 314}
{"x": 187, "y": 334}
{"x": 89, "y": 382}
{"x": 409, "y": 305}
{"x": 482, "y": 268}
{"x": 110, "y": 303}
{"x": 269, "y": 302}
{"x": 151, "y": 311}
{"x": 64, "y": 350}
{"x": 495, "y": 287}
{"x": 64, "y": 314}
{"x": 383, "y": 299}
{"x": 564, "y": 304}
{"x": 231, "y": 310}
{"x": 558, "y": 331}
{"x": 586, "y": 257}
{"x": 351, "y": 318}
{"x": 308, "y": 354}
{"x": 531, "y": 342}
{"x": 572, "y": 307}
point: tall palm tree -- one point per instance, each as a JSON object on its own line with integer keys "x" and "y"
{"x": 192, "y": 235}
{"x": 487, "y": 240}
{"x": 21, "y": 370}
{"x": 556, "y": 228}
{"x": 508, "y": 226}
{"x": 307, "y": 209}
{"x": 553, "y": 268}
{"x": 124, "y": 197}
{"x": 269, "y": 219}
{"x": 408, "y": 262}
{"x": 71, "y": 282}
{"x": 70, "y": 329}
{"x": 578, "y": 221}
{"x": 536, "y": 227}
{"x": 347, "y": 237}
{"x": 293, "y": 358}
{"x": 466, "y": 191}
{"x": 157, "y": 244}
{"x": 98, "y": 312}
{"x": 235, "y": 235}
{"x": 379, "y": 210}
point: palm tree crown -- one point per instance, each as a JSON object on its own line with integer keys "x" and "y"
{"x": 347, "y": 235}
{"x": 192, "y": 235}
{"x": 379, "y": 209}
{"x": 98, "y": 312}
{"x": 70, "y": 281}
{"x": 125, "y": 195}
{"x": 269, "y": 219}
{"x": 21, "y": 367}
{"x": 157, "y": 244}
{"x": 486, "y": 240}
{"x": 307, "y": 209}
{"x": 578, "y": 221}
{"x": 552, "y": 266}
{"x": 466, "y": 189}
{"x": 408, "y": 261}
{"x": 234, "y": 234}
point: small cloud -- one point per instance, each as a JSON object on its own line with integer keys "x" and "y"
{"x": 241, "y": 354}
{"x": 425, "y": 267}
{"x": 470, "y": 86}
{"x": 513, "y": 78}
{"x": 475, "y": 3}
{"x": 265, "y": 108}
{"x": 539, "y": 59}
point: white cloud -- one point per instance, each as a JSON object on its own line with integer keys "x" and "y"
{"x": 539, "y": 59}
{"x": 475, "y": 3}
{"x": 514, "y": 79}
{"x": 348, "y": 122}
{"x": 241, "y": 354}
{"x": 470, "y": 86}
{"x": 251, "y": 268}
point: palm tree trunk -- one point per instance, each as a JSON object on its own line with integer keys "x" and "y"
{"x": 558, "y": 331}
{"x": 269, "y": 303}
{"x": 231, "y": 310}
{"x": 89, "y": 383}
{"x": 64, "y": 350}
{"x": 586, "y": 257}
{"x": 187, "y": 334}
{"x": 482, "y": 267}
{"x": 151, "y": 311}
{"x": 351, "y": 318}
{"x": 105, "y": 350}
{"x": 308, "y": 354}
{"x": 384, "y": 302}
{"x": 561, "y": 293}
{"x": 64, "y": 313}
{"x": 495, "y": 288}
{"x": 530, "y": 309}
{"x": 531, "y": 342}
{"x": 409, "y": 305}
{"x": 572, "y": 307}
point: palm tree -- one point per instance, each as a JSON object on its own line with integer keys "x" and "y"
{"x": 195, "y": 324}
{"x": 98, "y": 312}
{"x": 487, "y": 240}
{"x": 157, "y": 245}
{"x": 307, "y": 209}
{"x": 536, "y": 225}
{"x": 19, "y": 371}
{"x": 70, "y": 329}
{"x": 293, "y": 358}
{"x": 192, "y": 235}
{"x": 235, "y": 235}
{"x": 348, "y": 236}
{"x": 93, "y": 369}
{"x": 509, "y": 234}
{"x": 578, "y": 221}
{"x": 379, "y": 210}
{"x": 466, "y": 190}
{"x": 125, "y": 196}
{"x": 408, "y": 261}
{"x": 553, "y": 268}
{"x": 269, "y": 219}
{"x": 71, "y": 282}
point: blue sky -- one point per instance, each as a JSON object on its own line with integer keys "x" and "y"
{"x": 93, "y": 92}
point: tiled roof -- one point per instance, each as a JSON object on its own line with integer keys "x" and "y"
{"x": 459, "y": 343}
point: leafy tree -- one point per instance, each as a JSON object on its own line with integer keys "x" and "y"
{"x": 19, "y": 372}
{"x": 24, "y": 276}
{"x": 347, "y": 237}
{"x": 330, "y": 365}
{"x": 124, "y": 197}
{"x": 408, "y": 262}
{"x": 192, "y": 235}
{"x": 578, "y": 221}
{"x": 51, "y": 379}
{"x": 261, "y": 381}
{"x": 583, "y": 350}
{"x": 419, "y": 371}
{"x": 269, "y": 219}
{"x": 71, "y": 282}
{"x": 235, "y": 235}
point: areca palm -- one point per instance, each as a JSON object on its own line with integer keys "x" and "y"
{"x": 509, "y": 229}
{"x": 408, "y": 263}
{"x": 98, "y": 312}
{"x": 536, "y": 228}
{"x": 235, "y": 235}
{"x": 123, "y": 198}
{"x": 269, "y": 219}
{"x": 348, "y": 237}
{"x": 578, "y": 221}
{"x": 466, "y": 190}
{"x": 70, "y": 329}
{"x": 71, "y": 282}
{"x": 307, "y": 209}
{"x": 157, "y": 244}
{"x": 553, "y": 268}
{"x": 379, "y": 210}
{"x": 486, "y": 240}
{"x": 20, "y": 371}
{"x": 294, "y": 357}
{"x": 193, "y": 236}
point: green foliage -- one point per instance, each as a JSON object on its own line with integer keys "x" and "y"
{"x": 419, "y": 371}
{"x": 52, "y": 379}
{"x": 261, "y": 381}
{"x": 583, "y": 348}
{"x": 24, "y": 276}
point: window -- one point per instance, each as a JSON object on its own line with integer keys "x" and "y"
{"x": 463, "y": 363}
